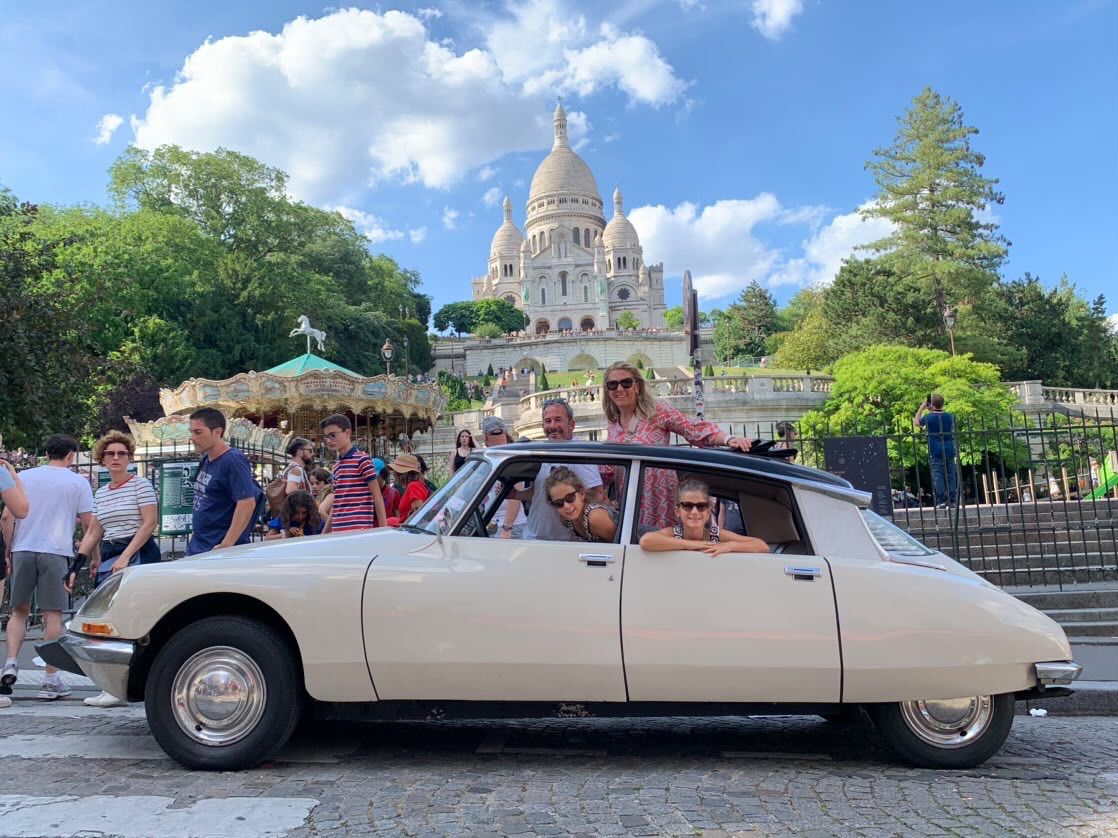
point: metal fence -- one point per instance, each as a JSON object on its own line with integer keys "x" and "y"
{"x": 1037, "y": 496}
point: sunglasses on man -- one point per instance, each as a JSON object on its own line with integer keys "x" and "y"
{"x": 623, "y": 383}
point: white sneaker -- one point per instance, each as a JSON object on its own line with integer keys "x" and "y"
{"x": 52, "y": 690}
{"x": 7, "y": 678}
{"x": 104, "y": 700}
{"x": 5, "y": 701}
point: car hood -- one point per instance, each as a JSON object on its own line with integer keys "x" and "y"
{"x": 363, "y": 544}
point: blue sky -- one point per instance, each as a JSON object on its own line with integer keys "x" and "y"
{"x": 738, "y": 131}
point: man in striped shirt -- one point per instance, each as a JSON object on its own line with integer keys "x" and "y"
{"x": 356, "y": 492}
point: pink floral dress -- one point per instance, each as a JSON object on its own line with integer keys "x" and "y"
{"x": 658, "y": 498}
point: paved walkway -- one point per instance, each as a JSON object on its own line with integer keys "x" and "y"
{"x": 69, "y": 769}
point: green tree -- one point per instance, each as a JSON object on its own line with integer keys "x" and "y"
{"x": 501, "y": 313}
{"x": 743, "y": 328}
{"x": 673, "y": 318}
{"x": 809, "y": 347}
{"x": 461, "y": 317}
{"x": 489, "y": 370}
{"x": 627, "y": 321}
{"x": 487, "y": 330}
{"x": 934, "y": 195}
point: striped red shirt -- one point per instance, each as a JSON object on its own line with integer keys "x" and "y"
{"x": 353, "y": 501}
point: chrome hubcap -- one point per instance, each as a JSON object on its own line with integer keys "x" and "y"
{"x": 218, "y": 696}
{"x": 949, "y": 722}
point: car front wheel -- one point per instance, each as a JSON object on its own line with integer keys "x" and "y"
{"x": 223, "y": 694}
{"x": 946, "y": 733}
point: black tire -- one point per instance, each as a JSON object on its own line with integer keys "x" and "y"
{"x": 268, "y": 730}
{"x": 889, "y": 719}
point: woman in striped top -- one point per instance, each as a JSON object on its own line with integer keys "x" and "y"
{"x": 123, "y": 526}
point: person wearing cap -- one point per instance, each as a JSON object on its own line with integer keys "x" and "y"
{"x": 406, "y": 467}
{"x": 510, "y": 518}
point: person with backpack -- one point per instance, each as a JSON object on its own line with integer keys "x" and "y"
{"x": 226, "y": 497}
{"x": 295, "y": 477}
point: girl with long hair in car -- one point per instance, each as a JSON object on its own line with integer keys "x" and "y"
{"x": 588, "y": 521}
{"x": 696, "y": 530}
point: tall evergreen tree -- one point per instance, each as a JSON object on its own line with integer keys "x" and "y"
{"x": 744, "y": 326}
{"x": 933, "y": 192}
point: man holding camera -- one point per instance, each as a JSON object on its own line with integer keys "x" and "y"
{"x": 941, "y": 449}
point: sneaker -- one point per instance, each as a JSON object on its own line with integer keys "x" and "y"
{"x": 7, "y": 678}
{"x": 5, "y": 701}
{"x": 104, "y": 700}
{"x": 52, "y": 690}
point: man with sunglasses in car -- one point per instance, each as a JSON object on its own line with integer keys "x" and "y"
{"x": 543, "y": 518}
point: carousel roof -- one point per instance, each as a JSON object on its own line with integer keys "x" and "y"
{"x": 307, "y": 363}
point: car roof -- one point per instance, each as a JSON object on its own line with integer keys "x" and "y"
{"x": 718, "y": 457}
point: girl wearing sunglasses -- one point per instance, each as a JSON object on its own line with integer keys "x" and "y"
{"x": 696, "y": 530}
{"x": 633, "y": 415}
{"x": 588, "y": 521}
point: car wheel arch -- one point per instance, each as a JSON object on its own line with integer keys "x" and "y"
{"x": 191, "y": 611}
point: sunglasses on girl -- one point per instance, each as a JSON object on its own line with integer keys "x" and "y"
{"x": 624, "y": 383}
{"x": 688, "y": 506}
{"x": 559, "y": 503}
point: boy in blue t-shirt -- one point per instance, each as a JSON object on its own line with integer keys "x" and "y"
{"x": 225, "y": 493}
{"x": 941, "y": 449}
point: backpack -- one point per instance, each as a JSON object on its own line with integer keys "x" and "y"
{"x": 276, "y": 491}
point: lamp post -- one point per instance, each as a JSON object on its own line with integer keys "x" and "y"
{"x": 386, "y": 353}
{"x": 949, "y": 323}
{"x": 407, "y": 361}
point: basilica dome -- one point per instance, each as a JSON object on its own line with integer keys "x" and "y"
{"x": 508, "y": 238}
{"x": 620, "y": 231}
{"x": 562, "y": 171}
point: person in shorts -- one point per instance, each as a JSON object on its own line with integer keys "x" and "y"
{"x": 42, "y": 547}
{"x": 15, "y": 507}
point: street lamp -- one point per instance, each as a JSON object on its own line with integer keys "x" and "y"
{"x": 949, "y": 322}
{"x": 407, "y": 364}
{"x": 386, "y": 353}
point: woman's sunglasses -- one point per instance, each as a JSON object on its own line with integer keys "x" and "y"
{"x": 624, "y": 383}
{"x": 559, "y": 503}
{"x": 688, "y": 506}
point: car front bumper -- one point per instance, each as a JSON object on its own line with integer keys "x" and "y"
{"x": 1057, "y": 673}
{"x": 104, "y": 661}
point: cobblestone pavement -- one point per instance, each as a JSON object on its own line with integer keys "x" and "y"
{"x": 762, "y": 776}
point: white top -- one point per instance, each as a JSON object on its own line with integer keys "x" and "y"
{"x": 56, "y": 496}
{"x": 543, "y": 519}
{"x": 118, "y": 510}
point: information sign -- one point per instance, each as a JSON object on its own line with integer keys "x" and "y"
{"x": 864, "y": 461}
{"x": 176, "y": 497}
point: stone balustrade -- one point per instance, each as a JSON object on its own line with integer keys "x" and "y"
{"x": 1035, "y": 397}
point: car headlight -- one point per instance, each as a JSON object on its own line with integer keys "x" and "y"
{"x": 102, "y": 598}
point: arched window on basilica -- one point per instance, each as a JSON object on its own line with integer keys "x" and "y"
{"x": 586, "y": 236}
{"x": 543, "y": 296}
{"x": 586, "y": 293}
{"x": 578, "y": 237}
{"x": 563, "y": 282}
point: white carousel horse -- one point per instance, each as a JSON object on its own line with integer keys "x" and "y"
{"x": 305, "y": 329}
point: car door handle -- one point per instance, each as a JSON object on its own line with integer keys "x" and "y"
{"x": 595, "y": 559}
{"x": 805, "y": 574}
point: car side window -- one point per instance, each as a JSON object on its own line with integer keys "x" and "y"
{"x": 744, "y": 505}
{"x": 517, "y": 504}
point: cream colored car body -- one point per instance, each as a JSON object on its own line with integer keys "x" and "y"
{"x": 387, "y": 614}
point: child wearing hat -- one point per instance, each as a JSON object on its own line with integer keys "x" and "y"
{"x": 406, "y": 467}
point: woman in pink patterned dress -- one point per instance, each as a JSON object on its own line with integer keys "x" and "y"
{"x": 634, "y": 416}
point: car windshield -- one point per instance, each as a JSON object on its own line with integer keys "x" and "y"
{"x": 891, "y": 538}
{"x": 444, "y": 507}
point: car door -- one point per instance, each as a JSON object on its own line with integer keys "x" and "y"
{"x": 735, "y": 627}
{"x": 486, "y": 619}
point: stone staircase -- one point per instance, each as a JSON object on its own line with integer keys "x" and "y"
{"x": 1038, "y": 544}
{"x": 1089, "y": 617}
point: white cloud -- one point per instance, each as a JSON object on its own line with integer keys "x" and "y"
{"x": 609, "y": 138}
{"x": 417, "y": 235}
{"x": 313, "y": 98}
{"x": 106, "y": 127}
{"x": 429, "y": 14}
{"x": 720, "y": 246}
{"x": 370, "y": 226}
{"x": 486, "y": 173}
{"x": 1112, "y": 322}
{"x": 772, "y": 18}
{"x": 492, "y": 196}
{"x": 450, "y": 218}
{"x": 825, "y": 250}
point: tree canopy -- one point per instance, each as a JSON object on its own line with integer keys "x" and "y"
{"x": 743, "y": 328}
{"x": 469, "y": 315}
{"x": 200, "y": 269}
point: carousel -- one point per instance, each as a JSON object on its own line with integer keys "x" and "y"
{"x": 266, "y": 409}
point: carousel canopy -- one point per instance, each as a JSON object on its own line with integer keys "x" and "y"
{"x": 307, "y": 363}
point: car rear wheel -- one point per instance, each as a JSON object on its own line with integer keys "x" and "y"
{"x": 223, "y": 694}
{"x": 946, "y": 733}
